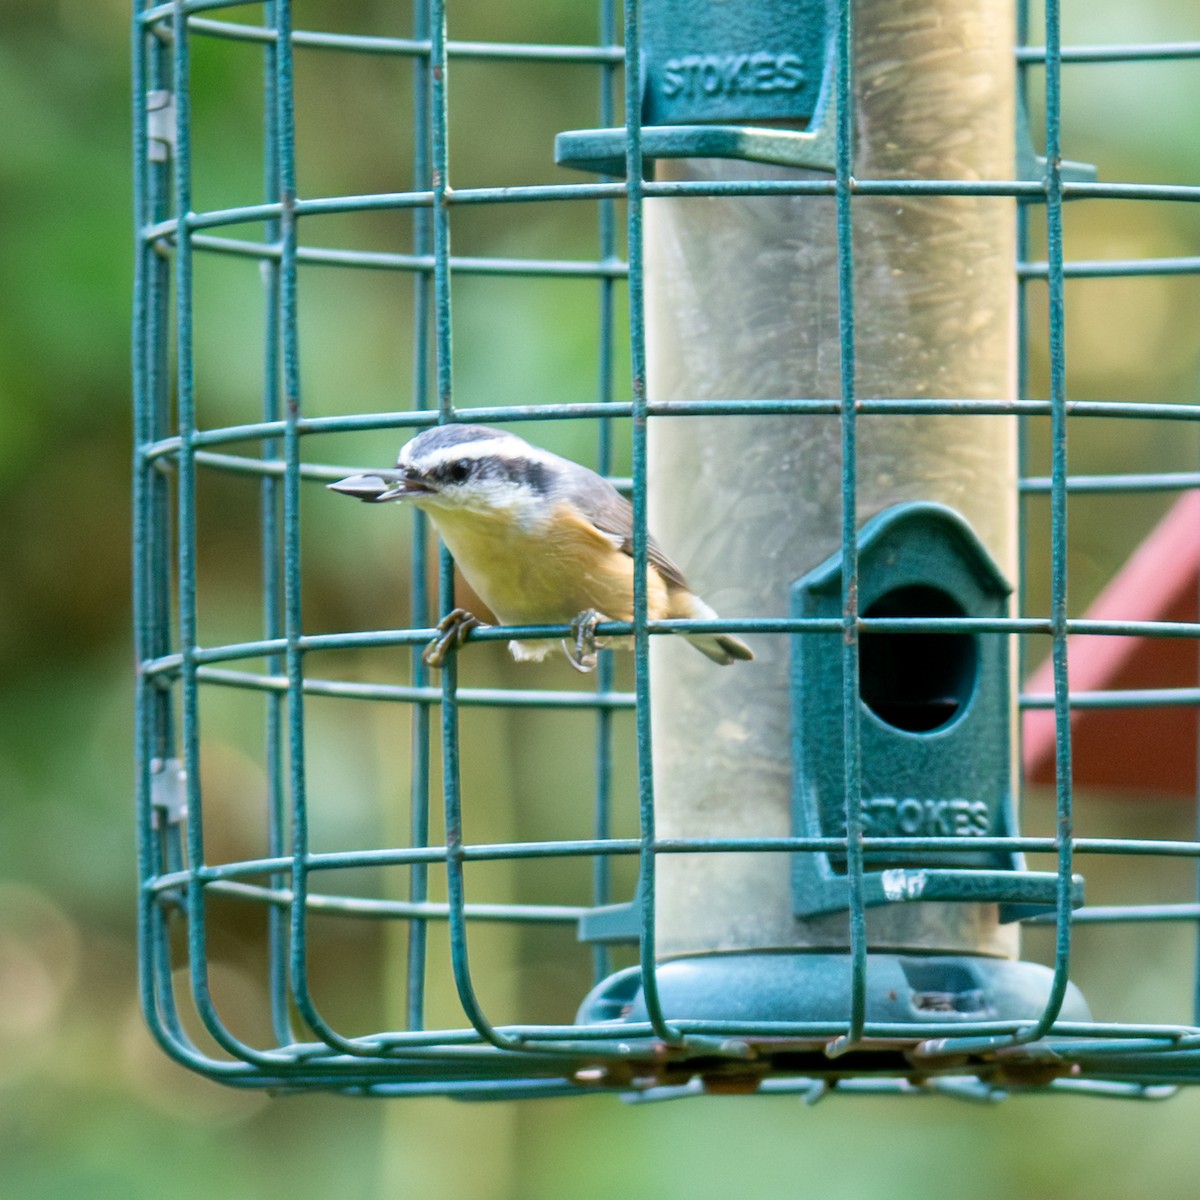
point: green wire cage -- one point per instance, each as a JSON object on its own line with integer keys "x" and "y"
{"x": 817, "y": 264}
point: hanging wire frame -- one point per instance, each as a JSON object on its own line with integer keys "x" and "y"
{"x": 178, "y": 671}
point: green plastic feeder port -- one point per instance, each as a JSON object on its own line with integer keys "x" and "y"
{"x": 934, "y": 720}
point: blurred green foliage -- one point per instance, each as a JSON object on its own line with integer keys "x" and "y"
{"x": 89, "y": 1107}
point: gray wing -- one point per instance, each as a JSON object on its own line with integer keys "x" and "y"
{"x": 612, "y": 514}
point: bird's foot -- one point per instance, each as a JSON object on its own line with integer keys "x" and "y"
{"x": 452, "y": 632}
{"x": 581, "y": 652}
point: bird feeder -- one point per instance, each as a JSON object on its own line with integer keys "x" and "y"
{"x": 829, "y": 267}
{"x": 739, "y": 294}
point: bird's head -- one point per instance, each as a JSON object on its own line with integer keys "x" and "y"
{"x": 465, "y": 467}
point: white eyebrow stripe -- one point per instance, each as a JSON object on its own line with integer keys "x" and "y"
{"x": 508, "y": 446}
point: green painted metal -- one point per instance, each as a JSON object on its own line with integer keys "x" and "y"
{"x": 602, "y": 150}
{"x": 934, "y": 749}
{"x": 748, "y": 987}
{"x": 709, "y": 73}
{"x": 765, "y": 61}
{"x": 851, "y": 613}
{"x": 664, "y": 1047}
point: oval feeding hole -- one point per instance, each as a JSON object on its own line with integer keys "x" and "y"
{"x": 917, "y": 682}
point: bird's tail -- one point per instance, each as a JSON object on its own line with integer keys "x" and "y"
{"x": 723, "y": 648}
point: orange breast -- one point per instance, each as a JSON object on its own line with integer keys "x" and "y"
{"x": 548, "y": 575}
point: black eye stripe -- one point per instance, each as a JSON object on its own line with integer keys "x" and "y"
{"x": 537, "y": 476}
{"x": 457, "y": 470}
{"x": 530, "y": 472}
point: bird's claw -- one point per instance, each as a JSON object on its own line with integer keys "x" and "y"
{"x": 581, "y": 653}
{"x": 452, "y": 632}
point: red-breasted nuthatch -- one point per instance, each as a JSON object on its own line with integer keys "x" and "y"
{"x": 541, "y": 539}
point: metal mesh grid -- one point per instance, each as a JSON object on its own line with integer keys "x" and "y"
{"x": 178, "y": 671}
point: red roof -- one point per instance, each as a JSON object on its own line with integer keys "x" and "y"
{"x": 1151, "y": 750}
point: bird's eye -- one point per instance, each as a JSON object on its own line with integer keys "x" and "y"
{"x": 460, "y": 471}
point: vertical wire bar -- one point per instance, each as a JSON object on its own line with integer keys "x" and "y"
{"x": 441, "y": 210}
{"x": 287, "y": 318}
{"x": 269, "y": 498}
{"x": 1058, "y": 521}
{"x": 154, "y": 277}
{"x": 602, "y": 822}
{"x": 443, "y": 365}
{"x": 1022, "y": 319}
{"x": 455, "y": 883}
{"x": 166, "y": 735}
{"x": 284, "y": 153}
{"x": 162, "y": 563}
{"x": 634, "y": 167}
{"x": 851, "y": 761}
{"x": 197, "y": 932}
{"x": 1024, "y": 501}
{"x": 418, "y": 879}
{"x": 154, "y": 733}
{"x": 443, "y": 378}
{"x": 451, "y": 781}
{"x": 186, "y": 416}
{"x": 142, "y": 584}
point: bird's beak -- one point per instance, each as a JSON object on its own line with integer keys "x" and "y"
{"x": 381, "y": 486}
